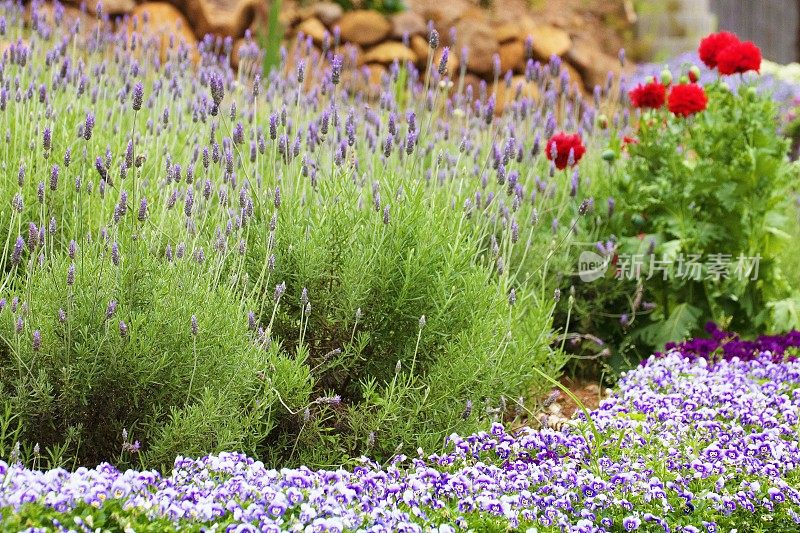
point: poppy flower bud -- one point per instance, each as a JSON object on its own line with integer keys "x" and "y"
{"x": 666, "y": 77}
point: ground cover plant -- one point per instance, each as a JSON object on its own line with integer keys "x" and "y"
{"x": 300, "y": 266}
{"x": 686, "y": 444}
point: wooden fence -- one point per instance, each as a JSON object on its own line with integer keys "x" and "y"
{"x": 774, "y": 25}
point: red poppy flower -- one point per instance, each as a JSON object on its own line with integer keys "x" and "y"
{"x": 559, "y": 147}
{"x": 687, "y": 99}
{"x": 630, "y": 140}
{"x": 738, "y": 58}
{"x": 652, "y": 95}
{"x": 711, "y": 46}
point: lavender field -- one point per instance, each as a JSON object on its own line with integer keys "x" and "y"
{"x": 307, "y": 299}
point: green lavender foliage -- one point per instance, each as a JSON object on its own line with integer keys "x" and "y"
{"x": 409, "y": 319}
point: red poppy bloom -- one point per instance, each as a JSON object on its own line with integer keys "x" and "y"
{"x": 652, "y": 95}
{"x": 630, "y": 140}
{"x": 559, "y": 147}
{"x": 738, "y": 58}
{"x": 687, "y": 99}
{"x": 711, "y": 46}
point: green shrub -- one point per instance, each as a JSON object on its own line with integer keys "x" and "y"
{"x": 717, "y": 185}
{"x": 425, "y": 311}
{"x": 404, "y": 324}
{"x": 170, "y": 360}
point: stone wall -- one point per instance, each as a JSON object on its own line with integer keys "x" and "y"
{"x": 482, "y": 43}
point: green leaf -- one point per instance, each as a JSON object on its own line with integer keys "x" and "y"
{"x": 678, "y": 325}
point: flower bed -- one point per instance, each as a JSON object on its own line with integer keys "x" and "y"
{"x": 684, "y": 445}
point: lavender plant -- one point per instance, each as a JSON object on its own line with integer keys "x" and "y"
{"x": 295, "y": 264}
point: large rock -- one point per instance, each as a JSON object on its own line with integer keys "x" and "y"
{"x": 548, "y": 40}
{"x": 288, "y": 17}
{"x": 421, "y": 48}
{"x": 385, "y": 53}
{"x": 364, "y": 27}
{"x": 479, "y": 38}
{"x": 45, "y": 12}
{"x": 327, "y": 12}
{"x": 409, "y": 23}
{"x": 110, "y": 7}
{"x": 223, "y": 17}
{"x": 520, "y": 88}
{"x": 592, "y": 63}
{"x": 313, "y": 28}
{"x": 376, "y": 72}
{"x": 444, "y": 14}
{"x": 163, "y": 21}
{"x": 507, "y": 31}
{"x": 512, "y": 56}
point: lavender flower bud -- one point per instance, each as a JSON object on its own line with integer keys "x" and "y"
{"x": 16, "y": 254}
{"x": 123, "y": 327}
{"x": 443, "y": 60}
{"x": 88, "y": 126}
{"x": 47, "y": 139}
{"x": 188, "y": 202}
{"x": 17, "y": 203}
{"x": 33, "y": 236}
{"x": 433, "y": 39}
{"x": 467, "y": 410}
{"x": 280, "y": 288}
{"x": 54, "y": 178}
{"x": 111, "y": 309}
{"x": 142, "y": 215}
{"x": 138, "y": 93}
{"x": 217, "y": 87}
{"x": 336, "y": 69}
{"x": 194, "y": 326}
